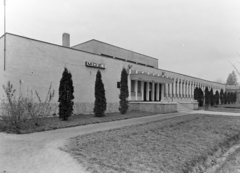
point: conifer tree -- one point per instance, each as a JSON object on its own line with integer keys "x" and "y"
{"x": 225, "y": 97}
{"x": 211, "y": 97}
{"x": 228, "y": 98}
{"x": 232, "y": 97}
{"x": 206, "y": 98}
{"x": 100, "y": 103}
{"x": 217, "y": 97}
{"x": 196, "y": 93}
{"x": 123, "y": 103}
{"x": 201, "y": 97}
{"x": 222, "y": 96}
{"x": 66, "y": 97}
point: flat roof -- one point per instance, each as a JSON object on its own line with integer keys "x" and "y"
{"x": 114, "y": 46}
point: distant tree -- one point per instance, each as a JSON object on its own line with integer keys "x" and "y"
{"x": 219, "y": 80}
{"x": 222, "y": 96}
{"x": 232, "y": 79}
{"x": 100, "y": 103}
{"x": 217, "y": 97}
{"x": 66, "y": 97}
{"x": 123, "y": 103}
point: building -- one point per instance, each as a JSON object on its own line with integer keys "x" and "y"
{"x": 234, "y": 89}
{"x": 37, "y": 64}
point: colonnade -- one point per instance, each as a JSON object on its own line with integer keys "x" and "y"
{"x": 146, "y": 91}
{"x": 151, "y": 91}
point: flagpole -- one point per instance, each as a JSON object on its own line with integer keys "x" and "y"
{"x": 4, "y": 1}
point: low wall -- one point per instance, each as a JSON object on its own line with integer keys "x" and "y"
{"x": 154, "y": 107}
{"x": 87, "y": 108}
{"x": 190, "y": 105}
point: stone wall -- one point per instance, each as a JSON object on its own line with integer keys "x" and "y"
{"x": 159, "y": 108}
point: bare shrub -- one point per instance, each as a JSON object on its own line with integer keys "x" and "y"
{"x": 23, "y": 111}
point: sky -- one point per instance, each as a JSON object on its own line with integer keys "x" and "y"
{"x": 194, "y": 37}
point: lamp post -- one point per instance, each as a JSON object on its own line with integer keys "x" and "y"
{"x": 4, "y": 3}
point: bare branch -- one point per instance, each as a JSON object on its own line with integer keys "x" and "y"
{"x": 235, "y": 68}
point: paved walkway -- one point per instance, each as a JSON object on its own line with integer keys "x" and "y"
{"x": 215, "y": 113}
{"x": 38, "y": 152}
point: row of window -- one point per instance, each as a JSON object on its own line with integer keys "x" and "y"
{"x": 121, "y": 59}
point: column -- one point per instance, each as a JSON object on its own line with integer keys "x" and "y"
{"x": 136, "y": 89}
{"x": 129, "y": 84}
{"x": 142, "y": 89}
{"x": 157, "y": 91}
{"x": 166, "y": 89}
{"x": 181, "y": 89}
{"x": 147, "y": 90}
{"x": 187, "y": 90}
{"x": 170, "y": 89}
{"x": 174, "y": 87}
{"x": 190, "y": 93}
{"x": 184, "y": 88}
{"x": 193, "y": 84}
{"x": 177, "y": 87}
{"x": 153, "y": 91}
{"x": 162, "y": 91}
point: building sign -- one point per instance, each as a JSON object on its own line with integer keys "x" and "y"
{"x": 95, "y": 65}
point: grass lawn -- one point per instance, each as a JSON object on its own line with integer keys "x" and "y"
{"x": 76, "y": 120}
{"x": 182, "y": 144}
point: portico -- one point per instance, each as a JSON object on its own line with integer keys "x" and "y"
{"x": 148, "y": 87}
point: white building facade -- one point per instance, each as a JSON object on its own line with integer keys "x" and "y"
{"x": 37, "y": 64}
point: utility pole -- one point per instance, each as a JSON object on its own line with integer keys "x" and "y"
{"x": 4, "y": 1}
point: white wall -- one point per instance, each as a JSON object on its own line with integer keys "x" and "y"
{"x": 37, "y": 64}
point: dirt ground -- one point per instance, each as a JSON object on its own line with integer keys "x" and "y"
{"x": 39, "y": 152}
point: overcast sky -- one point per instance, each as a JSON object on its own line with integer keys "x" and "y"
{"x": 192, "y": 37}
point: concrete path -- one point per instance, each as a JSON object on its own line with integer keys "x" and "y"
{"x": 38, "y": 152}
{"x": 215, "y": 113}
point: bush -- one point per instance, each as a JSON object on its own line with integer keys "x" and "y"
{"x": 123, "y": 92}
{"x": 23, "y": 111}
{"x": 66, "y": 97}
{"x": 100, "y": 103}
